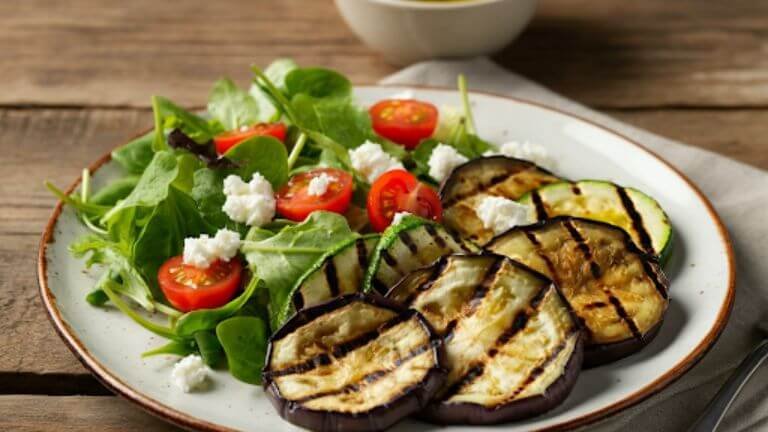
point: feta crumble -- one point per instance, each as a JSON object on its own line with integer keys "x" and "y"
{"x": 201, "y": 252}
{"x": 189, "y": 373}
{"x": 443, "y": 160}
{"x": 524, "y": 150}
{"x": 370, "y": 160}
{"x": 318, "y": 186}
{"x": 399, "y": 217}
{"x": 500, "y": 214}
{"x": 252, "y": 203}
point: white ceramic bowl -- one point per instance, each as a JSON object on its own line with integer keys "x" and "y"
{"x": 405, "y": 31}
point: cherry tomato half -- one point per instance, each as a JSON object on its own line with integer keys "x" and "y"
{"x": 227, "y": 140}
{"x": 295, "y": 203}
{"x": 399, "y": 191}
{"x": 404, "y": 121}
{"x": 189, "y": 288}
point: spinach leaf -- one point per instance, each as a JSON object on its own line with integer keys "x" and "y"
{"x": 136, "y": 154}
{"x": 280, "y": 259}
{"x": 275, "y": 72}
{"x": 115, "y": 191}
{"x": 278, "y": 70}
{"x": 170, "y": 116}
{"x": 209, "y": 347}
{"x": 338, "y": 119}
{"x": 232, "y": 106}
{"x": 152, "y": 187}
{"x": 207, "y": 319}
{"x": 109, "y": 288}
{"x": 208, "y": 193}
{"x": 187, "y": 164}
{"x": 163, "y": 234}
{"x": 263, "y": 154}
{"x": 317, "y": 83}
{"x": 117, "y": 264}
{"x": 244, "y": 339}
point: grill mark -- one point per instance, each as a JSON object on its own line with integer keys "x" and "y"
{"x": 541, "y": 211}
{"x": 409, "y": 243}
{"x": 427, "y": 285}
{"x": 575, "y": 189}
{"x": 624, "y": 315}
{"x": 298, "y": 300}
{"x": 481, "y": 290}
{"x": 595, "y": 305}
{"x": 541, "y": 367}
{"x": 615, "y": 302}
{"x": 518, "y": 324}
{"x": 331, "y": 278}
{"x": 449, "y": 329}
{"x": 637, "y": 220}
{"x": 556, "y": 279}
{"x": 481, "y": 187}
{"x": 388, "y": 258}
{"x": 584, "y": 247}
{"x": 362, "y": 253}
{"x": 341, "y": 350}
{"x": 370, "y": 378}
{"x": 460, "y": 242}
{"x": 432, "y": 231}
{"x": 654, "y": 276}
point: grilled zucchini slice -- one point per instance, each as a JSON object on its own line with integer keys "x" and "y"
{"x": 469, "y": 183}
{"x": 635, "y": 212}
{"x": 618, "y": 292}
{"x": 340, "y": 272}
{"x": 356, "y": 363}
{"x": 513, "y": 346}
{"x": 413, "y": 243}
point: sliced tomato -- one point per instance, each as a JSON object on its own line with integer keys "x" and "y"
{"x": 295, "y": 202}
{"x": 189, "y": 288}
{"x": 227, "y": 140}
{"x": 404, "y": 121}
{"x": 399, "y": 191}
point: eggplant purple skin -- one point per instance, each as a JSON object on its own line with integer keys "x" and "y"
{"x": 380, "y": 418}
{"x": 474, "y": 414}
{"x": 602, "y": 354}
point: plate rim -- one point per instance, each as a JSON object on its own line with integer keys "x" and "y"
{"x": 159, "y": 409}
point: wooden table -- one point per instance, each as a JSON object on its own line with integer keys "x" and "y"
{"x": 76, "y": 79}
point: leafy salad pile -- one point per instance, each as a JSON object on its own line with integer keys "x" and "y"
{"x": 173, "y": 189}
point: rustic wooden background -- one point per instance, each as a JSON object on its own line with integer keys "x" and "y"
{"x": 76, "y": 78}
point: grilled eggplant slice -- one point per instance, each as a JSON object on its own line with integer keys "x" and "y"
{"x": 413, "y": 243}
{"x": 635, "y": 212}
{"x": 618, "y": 292}
{"x": 469, "y": 183}
{"x": 340, "y": 272}
{"x": 514, "y": 347}
{"x": 357, "y": 363}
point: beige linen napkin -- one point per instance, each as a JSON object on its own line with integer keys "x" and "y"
{"x": 740, "y": 195}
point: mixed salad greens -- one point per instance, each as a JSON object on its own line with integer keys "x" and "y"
{"x": 292, "y": 120}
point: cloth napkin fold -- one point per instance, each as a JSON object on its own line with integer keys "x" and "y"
{"x": 740, "y": 195}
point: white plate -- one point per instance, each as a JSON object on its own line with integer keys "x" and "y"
{"x": 700, "y": 270}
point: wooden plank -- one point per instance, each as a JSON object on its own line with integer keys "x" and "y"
{"x": 55, "y": 144}
{"x": 75, "y": 414}
{"x": 603, "y": 53}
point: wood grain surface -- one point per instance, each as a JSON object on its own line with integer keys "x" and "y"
{"x": 78, "y": 76}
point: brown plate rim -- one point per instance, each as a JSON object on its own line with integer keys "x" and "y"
{"x": 159, "y": 409}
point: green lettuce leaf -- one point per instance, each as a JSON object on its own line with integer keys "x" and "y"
{"x": 136, "y": 154}
{"x": 244, "y": 339}
{"x": 280, "y": 259}
{"x": 232, "y": 106}
{"x": 263, "y": 154}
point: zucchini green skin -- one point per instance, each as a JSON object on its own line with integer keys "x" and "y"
{"x": 630, "y": 209}
{"x": 291, "y": 306}
{"x": 393, "y": 236}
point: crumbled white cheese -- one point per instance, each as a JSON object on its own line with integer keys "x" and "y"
{"x": 201, "y": 252}
{"x": 252, "y": 203}
{"x": 524, "y": 150}
{"x": 370, "y": 160}
{"x": 443, "y": 160}
{"x": 318, "y": 186}
{"x": 500, "y": 214}
{"x": 189, "y": 373}
{"x": 399, "y": 217}
{"x": 405, "y": 94}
